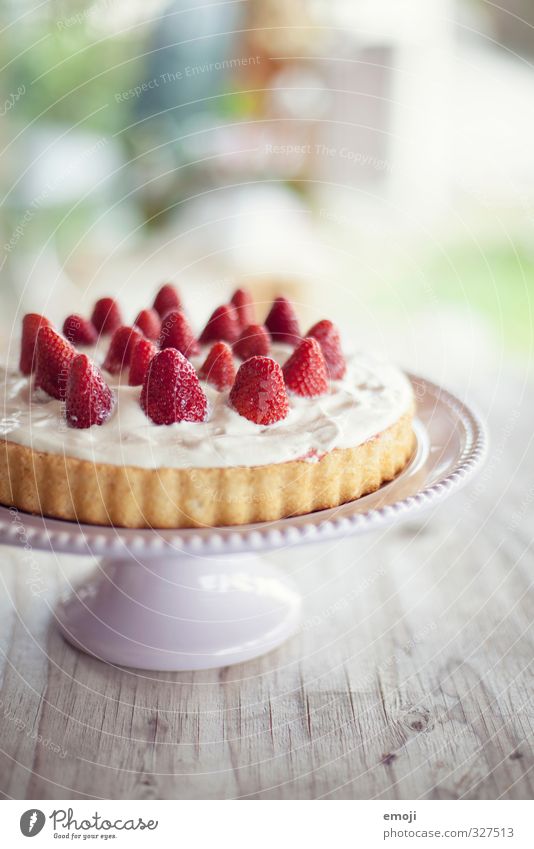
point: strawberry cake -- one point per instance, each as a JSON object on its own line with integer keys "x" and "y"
{"x": 152, "y": 425}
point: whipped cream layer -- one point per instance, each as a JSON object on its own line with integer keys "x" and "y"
{"x": 372, "y": 396}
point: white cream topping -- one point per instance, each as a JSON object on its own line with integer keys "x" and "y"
{"x": 371, "y": 397}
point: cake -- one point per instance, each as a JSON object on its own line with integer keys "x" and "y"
{"x": 149, "y": 425}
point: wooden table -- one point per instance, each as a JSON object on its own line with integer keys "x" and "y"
{"x": 411, "y": 677}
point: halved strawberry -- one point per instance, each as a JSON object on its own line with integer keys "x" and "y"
{"x": 282, "y": 322}
{"x": 88, "y": 400}
{"x": 259, "y": 393}
{"x": 244, "y": 307}
{"x": 143, "y": 351}
{"x": 171, "y": 390}
{"x": 53, "y": 358}
{"x": 218, "y": 367}
{"x": 120, "y": 348}
{"x": 166, "y": 300}
{"x": 31, "y": 324}
{"x": 149, "y": 323}
{"x": 305, "y": 370}
{"x": 222, "y": 326}
{"x": 328, "y": 337}
{"x": 176, "y": 333}
{"x": 79, "y": 330}
{"x": 106, "y": 316}
{"x": 253, "y": 342}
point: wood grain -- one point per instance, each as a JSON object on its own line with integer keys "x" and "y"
{"x": 410, "y": 678}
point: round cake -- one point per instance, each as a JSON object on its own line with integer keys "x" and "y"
{"x": 248, "y": 423}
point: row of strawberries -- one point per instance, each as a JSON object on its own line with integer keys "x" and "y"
{"x": 156, "y": 350}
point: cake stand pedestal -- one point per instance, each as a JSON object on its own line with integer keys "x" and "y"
{"x": 180, "y": 611}
{"x": 203, "y": 598}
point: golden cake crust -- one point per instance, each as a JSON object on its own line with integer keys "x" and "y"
{"x": 132, "y": 497}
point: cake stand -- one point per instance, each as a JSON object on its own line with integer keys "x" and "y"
{"x": 197, "y": 599}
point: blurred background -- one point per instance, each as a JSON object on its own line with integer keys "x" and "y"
{"x": 373, "y": 159}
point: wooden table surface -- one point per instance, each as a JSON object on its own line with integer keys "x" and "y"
{"x": 410, "y": 678}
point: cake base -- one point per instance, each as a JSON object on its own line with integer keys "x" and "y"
{"x": 180, "y": 612}
{"x": 132, "y": 497}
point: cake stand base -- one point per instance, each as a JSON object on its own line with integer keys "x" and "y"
{"x": 181, "y": 612}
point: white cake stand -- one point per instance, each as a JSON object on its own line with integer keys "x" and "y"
{"x": 196, "y": 599}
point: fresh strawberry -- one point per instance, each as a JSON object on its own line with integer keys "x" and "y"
{"x": 142, "y": 353}
{"x": 106, "y": 316}
{"x": 166, "y": 300}
{"x": 253, "y": 342}
{"x": 54, "y": 356}
{"x": 282, "y": 322}
{"x": 259, "y": 393}
{"x": 31, "y": 324}
{"x": 176, "y": 333}
{"x": 244, "y": 307}
{"x": 79, "y": 330}
{"x": 149, "y": 323}
{"x": 222, "y": 325}
{"x": 120, "y": 348}
{"x": 88, "y": 400}
{"x": 327, "y": 335}
{"x": 171, "y": 390}
{"x": 218, "y": 367}
{"x": 305, "y": 370}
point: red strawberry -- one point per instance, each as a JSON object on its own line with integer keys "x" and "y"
{"x": 120, "y": 348}
{"x": 149, "y": 323}
{"x": 31, "y": 324}
{"x": 253, "y": 342}
{"x": 242, "y": 301}
{"x": 166, "y": 300}
{"x": 171, "y": 390}
{"x": 142, "y": 353}
{"x": 218, "y": 368}
{"x": 89, "y": 400}
{"x": 106, "y": 316}
{"x": 327, "y": 335}
{"x": 54, "y": 356}
{"x": 282, "y": 322}
{"x": 222, "y": 325}
{"x": 79, "y": 330}
{"x": 259, "y": 393}
{"x": 305, "y": 370}
{"x": 176, "y": 333}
